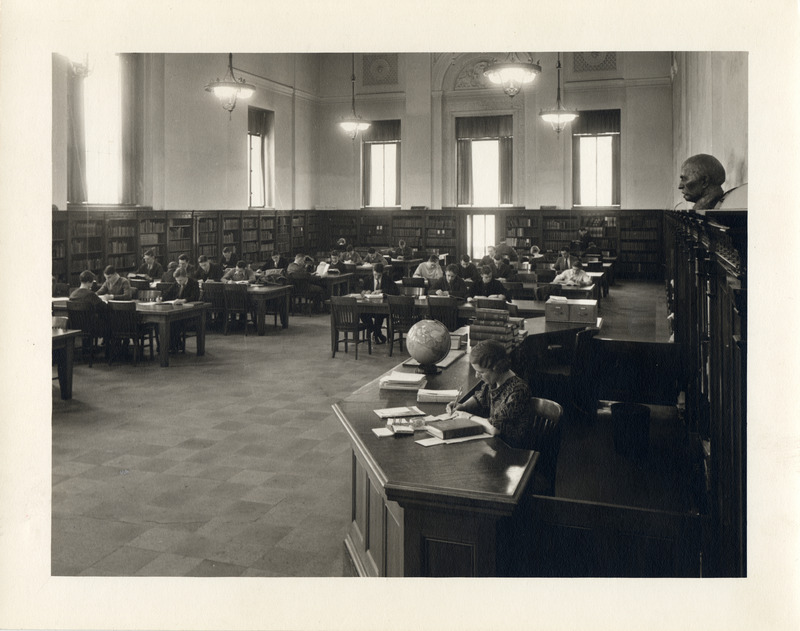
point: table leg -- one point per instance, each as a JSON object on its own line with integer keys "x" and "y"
{"x": 201, "y": 334}
{"x": 284, "y": 313}
{"x": 333, "y": 334}
{"x": 65, "y": 366}
{"x": 163, "y": 343}
{"x": 261, "y": 317}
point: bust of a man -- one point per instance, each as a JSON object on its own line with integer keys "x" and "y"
{"x": 701, "y": 181}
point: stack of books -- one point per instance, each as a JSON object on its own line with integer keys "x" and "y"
{"x": 436, "y": 396}
{"x": 496, "y": 324}
{"x": 403, "y": 381}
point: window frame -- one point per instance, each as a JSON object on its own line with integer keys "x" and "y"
{"x": 261, "y": 125}
{"x": 380, "y": 132}
{"x": 496, "y": 127}
{"x": 596, "y": 124}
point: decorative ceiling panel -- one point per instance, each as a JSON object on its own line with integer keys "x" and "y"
{"x": 380, "y": 69}
{"x": 594, "y": 61}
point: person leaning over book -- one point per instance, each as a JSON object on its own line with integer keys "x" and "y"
{"x": 502, "y": 403}
{"x": 451, "y": 284}
{"x": 487, "y": 286}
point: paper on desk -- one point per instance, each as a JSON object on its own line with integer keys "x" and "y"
{"x": 399, "y": 412}
{"x": 382, "y": 432}
{"x": 430, "y": 442}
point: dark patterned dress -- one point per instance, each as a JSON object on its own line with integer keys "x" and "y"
{"x": 509, "y": 410}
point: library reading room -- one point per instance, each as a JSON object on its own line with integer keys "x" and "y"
{"x": 399, "y": 314}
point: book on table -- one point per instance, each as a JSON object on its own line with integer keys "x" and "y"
{"x": 403, "y": 381}
{"x": 454, "y": 427}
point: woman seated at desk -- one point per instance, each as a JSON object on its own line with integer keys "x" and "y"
{"x": 503, "y": 402}
{"x": 574, "y": 275}
{"x": 488, "y": 286}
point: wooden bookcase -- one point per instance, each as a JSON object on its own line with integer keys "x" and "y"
{"x": 522, "y": 230}
{"x": 341, "y": 225}
{"x": 180, "y": 235}
{"x": 603, "y": 231}
{"x": 232, "y": 232}
{"x": 86, "y": 244}
{"x": 59, "y": 239}
{"x": 250, "y": 239}
{"x": 441, "y": 233}
{"x": 375, "y": 230}
{"x": 559, "y": 229}
{"x": 208, "y": 234}
{"x": 153, "y": 234}
{"x": 266, "y": 237}
{"x": 312, "y": 232}
{"x": 121, "y": 241}
{"x": 640, "y": 237}
{"x": 283, "y": 233}
{"x": 410, "y": 228}
{"x": 298, "y": 232}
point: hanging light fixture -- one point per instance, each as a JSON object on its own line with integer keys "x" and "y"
{"x": 355, "y": 124}
{"x": 230, "y": 88}
{"x": 512, "y": 73}
{"x": 558, "y": 116}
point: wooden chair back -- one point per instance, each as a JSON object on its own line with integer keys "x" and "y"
{"x": 445, "y": 310}
{"x": 513, "y": 289}
{"x": 544, "y": 436}
{"x": 345, "y": 313}
{"x": 235, "y": 297}
{"x": 163, "y": 287}
{"x": 401, "y": 313}
{"x": 214, "y": 293}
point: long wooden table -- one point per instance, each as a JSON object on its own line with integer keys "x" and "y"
{"x": 261, "y": 295}
{"x": 446, "y": 510}
{"x": 151, "y": 312}
{"x": 63, "y": 352}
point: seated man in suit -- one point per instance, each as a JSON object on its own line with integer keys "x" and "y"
{"x": 502, "y": 250}
{"x": 275, "y": 262}
{"x": 228, "y": 260}
{"x": 206, "y": 270}
{"x": 151, "y": 268}
{"x": 84, "y": 293}
{"x": 378, "y": 283}
{"x": 183, "y": 290}
{"x": 574, "y": 276}
{"x": 467, "y": 269}
{"x": 183, "y": 263}
{"x": 351, "y": 256}
{"x": 241, "y": 272}
{"x": 504, "y": 269}
{"x": 491, "y": 253}
{"x": 336, "y": 263}
{"x": 451, "y": 284}
{"x": 403, "y": 251}
{"x": 488, "y": 286}
{"x": 430, "y": 270}
{"x": 564, "y": 261}
{"x": 115, "y": 287}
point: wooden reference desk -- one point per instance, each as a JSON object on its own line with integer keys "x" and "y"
{"x": 63, "y": 352}
{"x": 446, "y": 510}
{"x": 263, "y": 294}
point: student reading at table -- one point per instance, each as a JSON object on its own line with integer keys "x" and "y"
{"x": 84, "y": 293}
{"x": 206, "y": 270}
{"x": 564, "y": 261}
{"x": 504, "y": 269}
{"x": 491, "y": 252}
{"x": 183, "y": 290}
{"x": 373, "y": 257}
{"x": 574, "y": 276}
{"x": 228, "y": 260}
{"x": 168, "y": 275}
{"x": 430, "y": 270}
{"x": 151, "y": 268}
{"x": 403, "y": 251}
{"x": 336, "y": 263}
{"x": 241, "y": 272}
{"x": 488, "y": 286}
{"x": 275, "y": 265}
{"x": 351, "y": 256}
{"x": 115, "y": 286}
{"x": 451, "y": 284}
{"x": 378, "y": 283}
{"x": 467, "y": 269}
{"x": 502, "y": 403}
{"x": 183, "y": 263}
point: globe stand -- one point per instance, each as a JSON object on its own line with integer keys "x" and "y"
{"x": 428, "y": 369}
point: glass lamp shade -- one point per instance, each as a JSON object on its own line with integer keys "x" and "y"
{"x": 558, "y": 118}
{"x": 229, "y": 91}
{"x": 353, "y": 126}
{"x": 512, "y": 75}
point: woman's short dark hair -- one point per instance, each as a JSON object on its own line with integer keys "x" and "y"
{"x": 491, "y": 355}
{"x": 465, "y": 258}
{"x": 433, "y": 258}
{"x": 452, "y": 268}
{"x": 87, "y": 276}
{"x": 485, "y": 270}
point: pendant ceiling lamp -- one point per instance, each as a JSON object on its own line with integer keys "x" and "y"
{"x": 512, "y": 73}
{"x": 229, "y": 89}
{"x": 558, "y": 116}
{"x": 353, "y": 125}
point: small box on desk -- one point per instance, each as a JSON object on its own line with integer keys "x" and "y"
{"x": 583, "y": 311}
{"x": 556, "y": 309}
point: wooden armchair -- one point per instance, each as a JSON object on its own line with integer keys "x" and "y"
{"x": 345, "y": 320}
{"x": 401, "y": 318}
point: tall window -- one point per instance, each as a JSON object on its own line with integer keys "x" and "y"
{"x": 484, "y": 168}
{"x": 104, "y": 103}
{"x": 595, "y": 159}
{"x": 380, "y": 157}
{"x": 260, "y": 157}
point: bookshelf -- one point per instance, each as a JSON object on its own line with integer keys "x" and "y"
{"x": 602, "y": 229}
{"x": 298, "y": 232}
{"x": 250, "y": 239}
{"x": 283, "y": 233}
{"x": 522, "y": 231}
{"x": 640, "y": 235}
{"x": 59, "y": 239}
{"x": 232, "y": 232}
{"x": 375, "y": 231}
{"x": 180, "y": 230}
{"x": 558, "y": 231}
{"x": 208, "y": 234}
{"x": 121, "y": 243}
{"x": 153, "y": 234}
{"x": 342, "y": 225}
{"x": 441, "y": 233}
{"x": 266, "y": 235}
{"x": 312, "y": 231}
{"x": 409, "y": 228}
{"x": 85, "y": 245}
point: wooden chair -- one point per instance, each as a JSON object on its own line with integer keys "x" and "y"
{"x": 445, "y": 310}
{"x": 214, "y": 294}
{"x": 544, "y": 436}
{"x": 513, "y": 289}
{"x": 305, "y": 295}
{"x": 401, "y": 318}
{"x": 124, "y": 325}
{"x": 345, "y": 320}
{"x": 237, "y": 302}
{"x": 413, "y": 286}
{"x": 83, "y": 316}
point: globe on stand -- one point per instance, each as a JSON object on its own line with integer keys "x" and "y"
{"x": 428, "y": 341}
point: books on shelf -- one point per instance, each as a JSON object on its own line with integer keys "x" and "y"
{"x": 402, "y": 381}
{"x": 454, "y": 427}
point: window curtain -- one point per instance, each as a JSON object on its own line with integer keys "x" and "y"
{"x": 259, "y": 124}
{"x": 596, "y": 123}
{"x": 76, "y": 142}
{"x": 469, "y": 128}
{"x": 387, "y": 131}
{"x": 132, "y": 128}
